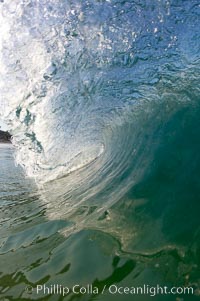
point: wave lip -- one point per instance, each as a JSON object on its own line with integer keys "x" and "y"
{"x": 70, "y": 70}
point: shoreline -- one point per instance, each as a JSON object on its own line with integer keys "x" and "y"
{"x": 5, "y": 142}
{"x": 5, "y": 137}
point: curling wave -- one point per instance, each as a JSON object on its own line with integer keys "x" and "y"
{"x": 69, "y": 70}
{"x": 102, "y": 99}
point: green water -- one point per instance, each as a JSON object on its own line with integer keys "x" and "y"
{"x": 150, "y": 236}
{"x": 102, "y": 99}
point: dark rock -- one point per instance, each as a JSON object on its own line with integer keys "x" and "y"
{"x": 5, "y": 137}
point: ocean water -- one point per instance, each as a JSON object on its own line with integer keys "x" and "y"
{"x": 101, "y": 185}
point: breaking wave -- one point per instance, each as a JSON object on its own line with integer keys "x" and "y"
{"x": 71, "y": 71}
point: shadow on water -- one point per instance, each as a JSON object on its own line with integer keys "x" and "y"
{"x": 171, "y": 183}
{"x": 33, "y": 251}
{"x": 40, "y": 248}
{"x": 131, "y": 217}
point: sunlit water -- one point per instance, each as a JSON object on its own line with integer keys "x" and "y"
{"x": 102, "y": 99}
{"x": 150, "y": 236}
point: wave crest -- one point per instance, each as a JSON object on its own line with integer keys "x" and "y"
{"x": 70, "y": 70}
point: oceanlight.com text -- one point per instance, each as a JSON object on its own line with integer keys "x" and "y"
{"x": 114, "y": 289}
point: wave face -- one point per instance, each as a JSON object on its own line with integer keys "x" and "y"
{"x": 102, "y": 99}
{"x": 71, "y": 70}
{"x": 101, "y": 96}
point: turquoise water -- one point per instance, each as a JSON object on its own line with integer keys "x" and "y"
{"x": 101, "y": 186}
{"x": 150, "y": 236}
